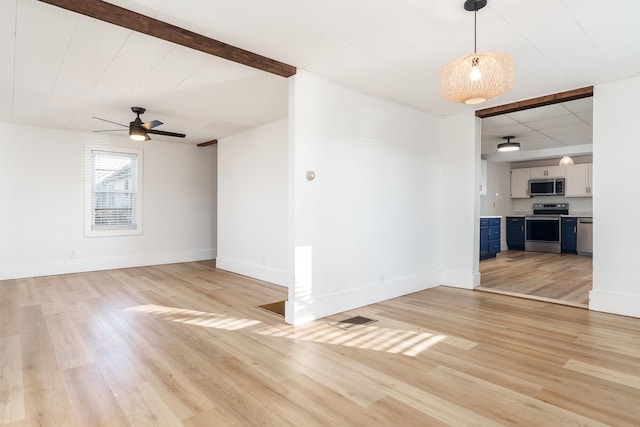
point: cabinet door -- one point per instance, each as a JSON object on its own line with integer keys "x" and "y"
{"x": 520, "y": 183}
{"x": 515, "y": 233}
{"x": 494, "y": 236}
{"x": 569, "y": 233}
{"x": 548, "y": 172}
{"x": 484, "y": 241}
{"x": 578, "y": 182}
{"x": 539, "y": 172}
{"x": 556, "y": 171}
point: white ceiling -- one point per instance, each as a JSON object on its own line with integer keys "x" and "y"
{"x": 566, "y": 127}
{"x": 59, "y": 69}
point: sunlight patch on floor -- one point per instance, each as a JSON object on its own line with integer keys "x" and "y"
{"x": 192, "y": 317}
{"x": 394, "y": 341}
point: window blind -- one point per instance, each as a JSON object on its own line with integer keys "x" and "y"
{"x": 114, "y": 190}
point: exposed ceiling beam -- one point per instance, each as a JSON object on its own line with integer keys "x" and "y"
{"x": 555, "y": 98}
{"x": 204, "y": 144}
{"x": 116, "y": 15}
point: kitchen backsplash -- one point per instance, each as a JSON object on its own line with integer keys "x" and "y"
{"x": 577, "y": 205}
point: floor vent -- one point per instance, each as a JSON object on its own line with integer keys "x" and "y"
{"x": 352, "y": 321}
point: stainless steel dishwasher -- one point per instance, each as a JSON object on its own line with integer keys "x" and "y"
{"x": 584, "y": 243}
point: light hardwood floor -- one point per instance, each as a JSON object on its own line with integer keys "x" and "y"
{"x": 561, "y": 278}
{"x": 185, "y": 344}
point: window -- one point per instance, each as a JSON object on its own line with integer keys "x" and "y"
{"x": 112, "y": 191}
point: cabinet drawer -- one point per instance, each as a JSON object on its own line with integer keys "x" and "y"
{"x": 494, "y": 222}
{"x": 484, "y": 222}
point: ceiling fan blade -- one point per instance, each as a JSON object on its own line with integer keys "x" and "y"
{"x": 109, "y": 121}
{"x": 152, "y": 124}
{"x": 110, "y": 130}
{"x": 161, "y": 132}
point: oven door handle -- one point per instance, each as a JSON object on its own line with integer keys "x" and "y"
{"x": 542, "y": 218}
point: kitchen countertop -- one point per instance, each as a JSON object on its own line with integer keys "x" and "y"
{"x": 568, "y": 216}
{"x": 490, "y": 216}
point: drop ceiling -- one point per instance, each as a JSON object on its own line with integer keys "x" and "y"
{"x": 58, "y": 68}
{"x": 559, "y": 129}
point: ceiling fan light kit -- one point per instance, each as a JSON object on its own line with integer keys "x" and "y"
{"x": 138, "y": 134}
{"x": 478, "y": 76}
{"x": 139, "y": 130}
{"x": 508, "y": 146}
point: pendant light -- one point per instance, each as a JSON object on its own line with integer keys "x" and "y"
{"x": 478, "y": 76}
{"x": 508, "y": 146}
{"x": 566, "y": 161}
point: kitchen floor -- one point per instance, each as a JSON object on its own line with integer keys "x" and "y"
{"x": 560, "y": 278}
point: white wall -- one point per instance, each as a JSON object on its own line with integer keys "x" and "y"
{"x": 616, "y": 209}
{"x": 41, "y": 220}
{"x": 253, "y": 203}
{"x": 460, "y": 163}
{"x": 367, "y": 228}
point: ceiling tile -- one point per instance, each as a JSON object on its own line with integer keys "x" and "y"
{"x": 568, "y": 131}
{"x": 497, "y": 121}
{"x": 546, "y": 112}
{"x": 554, "y": 122}
{"x": 579, "y": 105}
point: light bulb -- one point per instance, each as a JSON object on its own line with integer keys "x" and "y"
{"x": 475, "y": 73}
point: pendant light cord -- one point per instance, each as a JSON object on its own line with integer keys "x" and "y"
{"x": 475, "y": 31}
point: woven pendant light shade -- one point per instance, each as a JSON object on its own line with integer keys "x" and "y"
{"x": 494, "y": 76}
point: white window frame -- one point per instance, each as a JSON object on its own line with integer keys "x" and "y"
{"x": 89, "y": 229}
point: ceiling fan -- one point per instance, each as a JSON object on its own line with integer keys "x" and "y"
{"x": 139, "y": 130}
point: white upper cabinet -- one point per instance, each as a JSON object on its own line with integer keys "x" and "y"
{"x": 579, "y": 180}
{"x": 520, "y": 183}
{"x": 548, "y": 172}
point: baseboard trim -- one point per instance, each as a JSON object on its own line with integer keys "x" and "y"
{"x": 268, "y": 274}
{"x": 81, "y": 265}
{"x": 459, "y": 279}
{"x": 300, "y": 312}
{"x": 615, "y": 303}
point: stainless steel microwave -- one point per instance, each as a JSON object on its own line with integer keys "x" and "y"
{"x": 546, "y": 187}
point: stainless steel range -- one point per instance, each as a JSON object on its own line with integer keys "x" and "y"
{"x": 542, "y": 229}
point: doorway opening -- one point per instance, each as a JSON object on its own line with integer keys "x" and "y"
{"x": 548, "y": 128}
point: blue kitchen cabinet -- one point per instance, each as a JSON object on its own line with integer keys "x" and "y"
{"x": 489, "y": 237}
{"x": 484, "y": 238}
{"x": 568, "y": 240}
{"x": 515, "y": 232}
